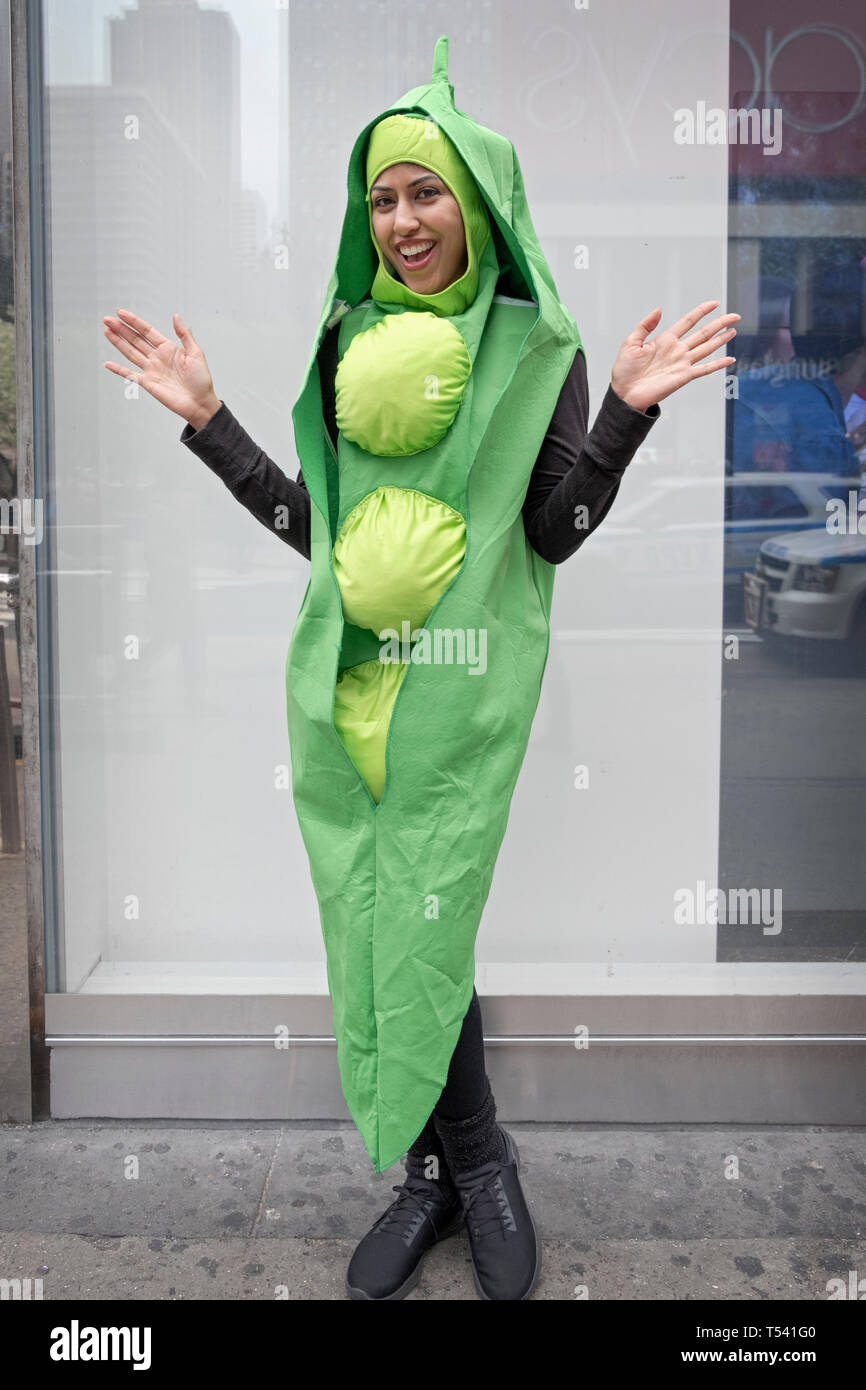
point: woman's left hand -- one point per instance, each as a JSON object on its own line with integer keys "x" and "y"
{"x": 645, "y": 373}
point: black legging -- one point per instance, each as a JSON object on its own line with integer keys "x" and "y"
{"x": 465, "y": 1090}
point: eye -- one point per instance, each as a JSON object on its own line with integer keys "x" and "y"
{"x": 383, "y": 200}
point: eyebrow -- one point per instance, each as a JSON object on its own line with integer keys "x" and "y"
{"x": 423, "y": 179}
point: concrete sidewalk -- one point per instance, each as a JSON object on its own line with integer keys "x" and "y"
{"x": 241, "y": 1211}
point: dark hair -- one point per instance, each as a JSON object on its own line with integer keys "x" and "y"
{"x": 838, "y": 317}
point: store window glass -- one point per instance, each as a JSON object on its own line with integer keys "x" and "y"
{"x": 195, "y": 164}
{"x": 19, "y": 527}
{"x": 14, "y": 529}
{"x": 793, "y": 760}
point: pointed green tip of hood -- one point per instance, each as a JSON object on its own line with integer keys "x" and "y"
{"x": 440, "y": 62}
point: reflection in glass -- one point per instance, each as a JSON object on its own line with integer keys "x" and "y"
{"x": 793, "y": 759}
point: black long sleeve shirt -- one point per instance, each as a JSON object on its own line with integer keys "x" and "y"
{"x": 574, "y": 468}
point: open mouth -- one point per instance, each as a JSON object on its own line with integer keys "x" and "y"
{"x": 417, "y": 255}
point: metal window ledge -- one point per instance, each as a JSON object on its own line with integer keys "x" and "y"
{"x": 281, "y": 1041}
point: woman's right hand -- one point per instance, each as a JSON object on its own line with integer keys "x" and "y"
{"x": 176, "y": 376}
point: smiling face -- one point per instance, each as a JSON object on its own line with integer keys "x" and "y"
{"x": 412, "y": 208}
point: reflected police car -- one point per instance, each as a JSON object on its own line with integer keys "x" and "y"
{"x": 811, "y": 583}
{"x": 664, "y": 530}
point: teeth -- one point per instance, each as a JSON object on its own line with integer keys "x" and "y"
{"x": 416, "y": 250}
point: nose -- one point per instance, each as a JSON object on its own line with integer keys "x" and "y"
{"x": 405, "y": 218}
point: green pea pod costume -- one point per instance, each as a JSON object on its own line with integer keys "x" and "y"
{"x": 416, "y": 662}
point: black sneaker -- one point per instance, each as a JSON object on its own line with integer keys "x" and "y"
{"x": 386, "y": 1264}
{"x": 506, "y": 1251}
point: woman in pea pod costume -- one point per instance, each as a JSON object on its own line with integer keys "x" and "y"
{"x": 404, "y": 768}
{"x": 416, "y": 662}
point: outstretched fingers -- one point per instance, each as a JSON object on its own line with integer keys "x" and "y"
{"x": 712, "y": 344}
{"x": 147, "y": 331}
{"x": 125, "y": 345}
{"x": 707, "y": 367}
{"x": 124, "y": 372}
{"x": 709, "y": 330}
{"x": 691, "y": 318}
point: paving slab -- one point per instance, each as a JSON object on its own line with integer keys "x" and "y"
{"x": 196, "y": 1210}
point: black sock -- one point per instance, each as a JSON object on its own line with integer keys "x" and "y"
{"x": 471, "y": 1142}
{"x": 465, "y": 1089}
